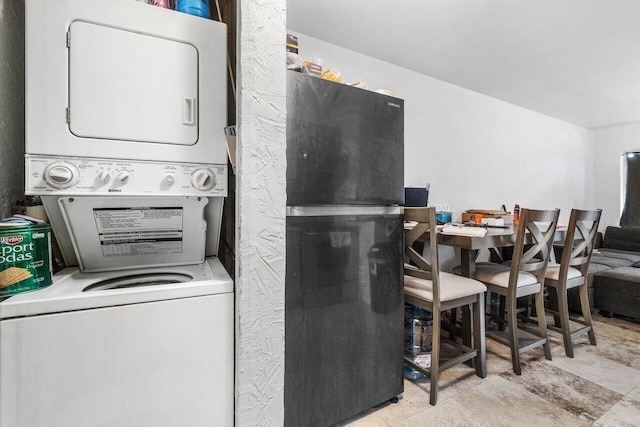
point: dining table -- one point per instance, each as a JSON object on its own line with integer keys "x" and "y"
{"x": 470, "y": 245}
{"x": 494, "y": 239}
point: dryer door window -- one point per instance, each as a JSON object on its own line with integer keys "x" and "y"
{"x": 147, "y": 92}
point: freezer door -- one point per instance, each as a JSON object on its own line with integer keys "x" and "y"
{"x": 344, "y": 316}
{"x": 345, "y": 146}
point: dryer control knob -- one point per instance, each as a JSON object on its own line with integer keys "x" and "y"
{"x": 123, "y": 176}
{"x": 61, "y": 175}
{"x": 105, "y": 176}
{"x": 170, "y": 178}
{"x": 203, "y": 179}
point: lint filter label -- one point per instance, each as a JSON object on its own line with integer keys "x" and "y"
{"x": 139, "y": 231}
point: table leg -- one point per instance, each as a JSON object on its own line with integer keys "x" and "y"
{"x": 468, "y": 262}
{"x": 468, "y": 269}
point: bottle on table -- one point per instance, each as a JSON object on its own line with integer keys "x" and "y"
{"x": 516, "y": 214}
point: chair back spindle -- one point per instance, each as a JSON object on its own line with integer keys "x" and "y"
{"x": 534, "y": 243}
{"x": 580, "y": 241}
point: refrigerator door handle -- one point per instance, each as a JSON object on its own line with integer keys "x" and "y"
{"x": 343, "y": 210}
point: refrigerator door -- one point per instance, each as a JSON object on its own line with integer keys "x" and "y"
{"x": 345, "y": 146}
{"x": 344, "y": 313}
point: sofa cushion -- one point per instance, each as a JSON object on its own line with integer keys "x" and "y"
{"x": 610, "y": 262}
{"x": 627, "y": 238}
{"x": 618, "y": 253}
{"x": 596, "y": 268}
{"x": 630, "y": 274}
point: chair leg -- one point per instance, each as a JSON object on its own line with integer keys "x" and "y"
{"x": 528, "y": 313}
{"x": 501, "y": 311}
{"x": 513, "y": 335}
{"x": 434, "y": 371}
{"x": 479, "y": 337}
{"x": 563, "y": 309}
{"x": 542, "y": 324}
{"x": 586, "y": 312}
{"x": 467, "y": 327}
{"x": 553, "y": 304}
{"x": 454, "y": 316}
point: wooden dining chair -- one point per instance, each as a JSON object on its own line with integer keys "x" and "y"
{"x": 426, "y": 287}
{"x": 572, "y": 273}
{"x": 524, "y": 277}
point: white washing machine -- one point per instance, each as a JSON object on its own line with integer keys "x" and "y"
{"x": 144, "y": 347}
{"x": 141, "y": 333}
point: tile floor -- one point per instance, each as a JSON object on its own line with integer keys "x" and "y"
{"x": 599, "y": 387}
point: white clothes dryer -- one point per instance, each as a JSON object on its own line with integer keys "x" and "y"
{"x": 143, "y": 347}
{"x": 117, "y": 79}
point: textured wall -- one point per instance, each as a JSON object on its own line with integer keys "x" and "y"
{"x": 261, "y": 198}
{"x": 11, "y": 103}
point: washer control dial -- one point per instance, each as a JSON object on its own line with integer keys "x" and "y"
{"x": 61, "y": 175}
{"x": 203, "y": 179}
{"x": 123, "y": 177}
{"x": 105, "y": 176}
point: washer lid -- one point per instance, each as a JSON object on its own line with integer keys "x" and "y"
{"x": 67, "y": 293}
{"x": 109, "y": 233}
{"x": 139, "y": 280}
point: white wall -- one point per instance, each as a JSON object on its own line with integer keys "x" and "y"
{"x": 476, "y": 151}
{"x": 261, "y": 199}
{"x": 11, "y": 103}
{"x": 610, "y": 143}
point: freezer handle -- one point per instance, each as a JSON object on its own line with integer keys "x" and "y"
{"x": 343, "y": 210}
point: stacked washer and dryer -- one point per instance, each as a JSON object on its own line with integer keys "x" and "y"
{"x": 125, "y": 109}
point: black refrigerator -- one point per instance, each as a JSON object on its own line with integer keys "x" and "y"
{"x": 344, "y": 320}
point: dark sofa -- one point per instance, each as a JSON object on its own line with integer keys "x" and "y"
{"x": 614, "y": 274}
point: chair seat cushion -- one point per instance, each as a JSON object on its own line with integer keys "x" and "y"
{"x": 451, "y": 287}
{"x": 553, "y": 272}
{"x": 498, "y": 274}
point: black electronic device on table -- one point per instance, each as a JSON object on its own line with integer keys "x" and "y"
{"x": 416, "y": 197}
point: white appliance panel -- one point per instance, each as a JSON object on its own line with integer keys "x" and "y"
{"x": 115, "y": 77}
{"x": 135, "y": 34}
{"x": 52, "y": 205}
{"x": 51, "y": 175}
{"x": 165, "y": 363}
{"x": 116, "y": 233}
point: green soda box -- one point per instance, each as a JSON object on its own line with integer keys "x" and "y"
{"x": 25, "y": 257}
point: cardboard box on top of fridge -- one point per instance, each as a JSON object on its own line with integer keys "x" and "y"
{"x": 489, "y": 217}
